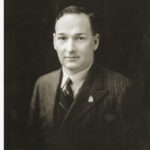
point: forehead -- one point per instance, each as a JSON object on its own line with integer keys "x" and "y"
{"x": 73, "y": 23}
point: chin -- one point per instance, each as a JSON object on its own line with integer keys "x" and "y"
{"x": 72, "y": 67}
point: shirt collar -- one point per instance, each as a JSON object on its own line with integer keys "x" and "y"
{"x": 77, "y": 78}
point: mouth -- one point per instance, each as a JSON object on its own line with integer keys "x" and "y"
{"x": 71, "y": 57}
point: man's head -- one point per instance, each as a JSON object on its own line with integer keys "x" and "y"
{"x": 75, "y": 39}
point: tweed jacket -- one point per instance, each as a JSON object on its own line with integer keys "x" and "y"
{"x": 94, "y": 121}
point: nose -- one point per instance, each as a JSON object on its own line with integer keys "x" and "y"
{"x": 70, "y": 45}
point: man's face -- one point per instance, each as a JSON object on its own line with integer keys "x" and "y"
{"x": 74, "y": 42}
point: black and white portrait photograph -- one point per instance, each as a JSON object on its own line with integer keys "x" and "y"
{"x": 76, "y": 75}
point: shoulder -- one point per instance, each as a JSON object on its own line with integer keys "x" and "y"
{"x": 116, "y": 82}
{"x": 49, "y": 78}
{"x": 116, "y": 78}
{"x": 117, "y": 86}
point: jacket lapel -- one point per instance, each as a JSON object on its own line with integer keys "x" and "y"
{"x": 91, "y": 93}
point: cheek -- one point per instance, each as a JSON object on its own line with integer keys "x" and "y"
{"x": 87, "y": 45}
{"x": 60, "y": 48}
{"x": 60, "y": 54}
{"x": 87, "y": 50}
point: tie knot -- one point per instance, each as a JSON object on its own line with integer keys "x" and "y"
{"x": 67, "y": 90}
{"x": 68, "y": 82}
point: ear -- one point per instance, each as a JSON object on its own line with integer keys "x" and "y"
{"x": 54, "y": 36}
{"x": 96, "y": 41}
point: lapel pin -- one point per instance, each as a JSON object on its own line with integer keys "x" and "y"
{"x": 91, "y": 99}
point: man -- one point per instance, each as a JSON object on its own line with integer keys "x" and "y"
{"x": 79, "y": 106}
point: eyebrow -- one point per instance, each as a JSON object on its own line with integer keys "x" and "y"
{"x": 60, "y": 33}
{"x": 75, "y": 34}
{"x": 81, "y": 34}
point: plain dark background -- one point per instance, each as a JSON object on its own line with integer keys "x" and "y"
{"x": 125, "y": 47}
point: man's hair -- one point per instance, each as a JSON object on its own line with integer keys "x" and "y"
{"x": 78, "y": 10}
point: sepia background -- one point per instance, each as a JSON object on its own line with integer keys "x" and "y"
{"x": 124, "y": 26}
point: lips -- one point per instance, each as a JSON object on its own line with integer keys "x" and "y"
{"x": 71, "y": 57}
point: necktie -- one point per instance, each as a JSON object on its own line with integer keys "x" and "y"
{"x": 66, "y": 99}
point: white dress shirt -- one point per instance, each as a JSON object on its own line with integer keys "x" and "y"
{"x": 77, "y": 79}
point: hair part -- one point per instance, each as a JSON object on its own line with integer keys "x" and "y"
{"x": 78, "y": 10}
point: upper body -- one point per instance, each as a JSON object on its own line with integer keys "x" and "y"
{"x": 99, "y": 122}
{"x": 95, "y": 119}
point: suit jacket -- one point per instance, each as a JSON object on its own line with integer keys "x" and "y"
{"x": 95, "y": 120}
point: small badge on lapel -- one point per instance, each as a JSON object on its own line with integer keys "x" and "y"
{"x": 91, "y": 99}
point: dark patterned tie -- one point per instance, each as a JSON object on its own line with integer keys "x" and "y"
{"x": 66, "y": 99}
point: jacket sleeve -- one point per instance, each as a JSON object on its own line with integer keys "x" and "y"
{"x": 124, "y": 105}
{"x": 33, "y": 126}
{"x": 129, "y": 118}
{"x": 133, "y": 117}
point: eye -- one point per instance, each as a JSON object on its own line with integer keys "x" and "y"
{"x": 62, "y": 38}
{"x": 80, "y": 38}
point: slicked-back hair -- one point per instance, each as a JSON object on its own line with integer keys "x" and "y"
{"x": 78, "y": 10}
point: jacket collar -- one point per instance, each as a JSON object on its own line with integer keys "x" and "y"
{"x": 92, "y": 92}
